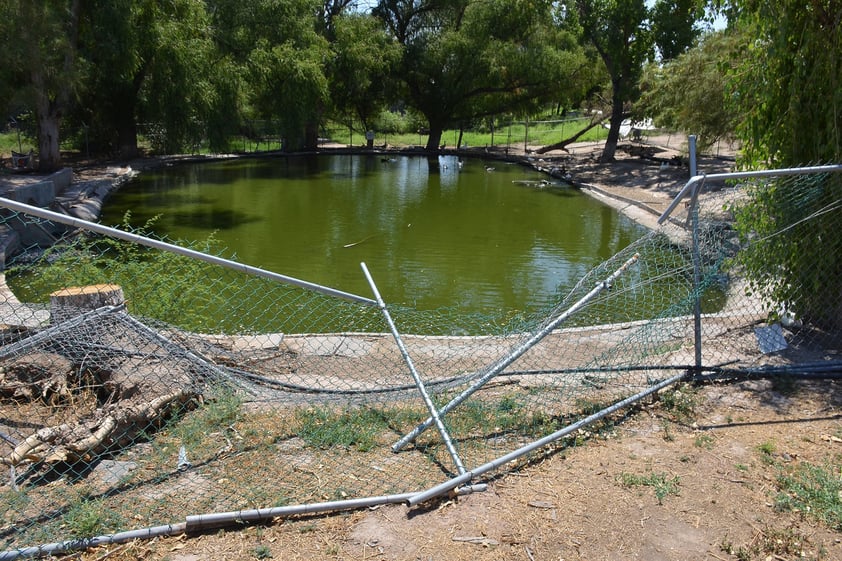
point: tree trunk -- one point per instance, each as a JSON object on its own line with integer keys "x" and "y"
{"x": 617, "y": 116}
{"x": 563, "y": 144}
{"x": 70, "y": 302}
{"x": 49, "y": 156}
{"x": 311, "y": 135}
{"x": 436, "y": 131}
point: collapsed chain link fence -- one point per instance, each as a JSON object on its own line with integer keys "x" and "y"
{"x": 148, "y": 386}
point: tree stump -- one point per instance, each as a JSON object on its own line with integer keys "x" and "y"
{"x": 70, "y": 302}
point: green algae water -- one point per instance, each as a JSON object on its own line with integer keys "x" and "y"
{"x": 483, "y": 237}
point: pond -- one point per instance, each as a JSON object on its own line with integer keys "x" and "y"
{"x": 484, "y": 237}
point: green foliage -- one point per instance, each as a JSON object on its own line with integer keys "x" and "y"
{"x": 620, "y": 34}
{"x": 688, "y": 92}
{"x": 787, "y": 87}
{"x": 814, "y": 490}
{"x": 324, "y": 428}
{"x": 220, "y": 409}
{"x": 363, "y": 57}
{"x": 464, "y": 60}
{"x": 90, "y": 518}
{"x": 674, "y": 25}
{"x": 661, "y": 483}
{"x": 681, "y": 401}
{"x": 781, "y": 224}
{"x": 787, "y": 84}
{"x": 767, "y": 452}
{"x": 157, "y": 284}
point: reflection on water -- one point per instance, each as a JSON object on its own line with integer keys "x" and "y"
{"x": 433, "y": 232}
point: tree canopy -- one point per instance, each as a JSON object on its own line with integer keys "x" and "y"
{"x": 182, "y": 71}
{"x": 690, "y": 92}
{"x": 466, "y": 59}
{"x": 624, "y": 34}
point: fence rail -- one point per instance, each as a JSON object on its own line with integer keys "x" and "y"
{"x": 141, "y": 379}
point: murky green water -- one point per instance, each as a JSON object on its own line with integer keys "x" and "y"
{"x": 432, "y": 233}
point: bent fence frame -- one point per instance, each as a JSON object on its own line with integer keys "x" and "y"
{"x": 461, "y": 483}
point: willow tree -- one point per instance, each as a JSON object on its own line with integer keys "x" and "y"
{"x": 690, "y": 92}
{"x": 279, "y": 57}
{"x": 362, "y": 60}
{"x": 150, "y": 62}
{"x": 39, "y": 64}
{"x": 787, "y": 87}
{"x": 466, "y": 59}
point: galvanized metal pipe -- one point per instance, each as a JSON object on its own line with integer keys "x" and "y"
{"x": 164, "y": 246}
{"x": 455, "y": 482}
{"x": 200, "y": 522}
{"x": 497, "y": 367}
{"x": 207, "y": 521}
{"x": 419, "y": 383}
{"x": 834, "y": 168}
{"x": 55, "y": 330}
{"x": 86, "y": 543}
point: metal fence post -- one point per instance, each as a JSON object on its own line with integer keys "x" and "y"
{"x": 697, "y": 265}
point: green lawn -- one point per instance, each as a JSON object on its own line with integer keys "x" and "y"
{"x": 540, "y": 133}
{"x": 9, "y": 142}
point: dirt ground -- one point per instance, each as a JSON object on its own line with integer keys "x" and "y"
{"x": 666, "y": 484}
{"x": 721, "y": 456}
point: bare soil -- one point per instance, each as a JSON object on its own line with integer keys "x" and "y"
{"x": 723, "y": 454}
{"x": 724, "y": 457}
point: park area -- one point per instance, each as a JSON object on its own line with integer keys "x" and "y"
{"x": 742, "y": 465}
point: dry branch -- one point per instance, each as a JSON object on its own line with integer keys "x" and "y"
{"x": 70, "y": 442}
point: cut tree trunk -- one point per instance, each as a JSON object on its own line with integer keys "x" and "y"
{"x": 70, "y": 302}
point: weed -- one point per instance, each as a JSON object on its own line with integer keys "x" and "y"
{"x": 772, "y": 543}
{"x": 662, "y": 484}
{"x": 767, "y": 451}
{"x": 680, "y": 402}
{"x": 813, "y": 490}
{"x": 89, "y": 518}
{"x": 14, "y": 500}
{"x": 704, "y": 441}
{"x": 668, "y": 436}
{"x": 262, "y": 551}
{"x": 323, "y": 428}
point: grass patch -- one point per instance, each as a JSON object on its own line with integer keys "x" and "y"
{"x": 89, "y": 518}
{"x": 9, "y": 142}
{"x": 661, "y": 483}
{"x": 767, "y": 452}
{"x": 680, "y": 401}
{"x": 504, "y": 134}
{"x": 813, "y": 490}
{"x": 704, "y": 441}
{"x": 357, "y": 428}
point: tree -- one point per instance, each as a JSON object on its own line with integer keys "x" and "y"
{"x": 688, "y": 93}
{"x": 466, "y": 59}
{"x": 788, "y": 84}
{"x": 787, "y": 88}
{"x": 619, "y": 31}
{"x": 363, "y": 59}
{"x": 38, "y": 57}
{"x": 276, "y": 48}
{"x": 624, "y": 33}
{"x": 674, "y": 26}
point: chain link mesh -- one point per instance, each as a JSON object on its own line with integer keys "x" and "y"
{"x": 139, "y": 386}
